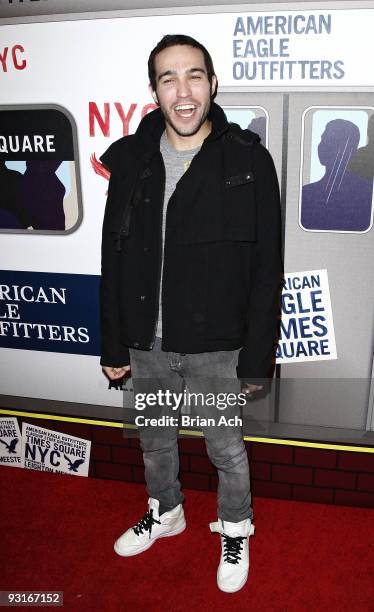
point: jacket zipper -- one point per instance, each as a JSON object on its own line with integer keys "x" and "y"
{"x": 125, "y": 217}
{"x": 160, "y": 256}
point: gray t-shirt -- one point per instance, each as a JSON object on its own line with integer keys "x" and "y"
{"x": 176, "y": 163}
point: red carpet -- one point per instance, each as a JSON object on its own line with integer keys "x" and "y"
{"x": 58, "y": 532}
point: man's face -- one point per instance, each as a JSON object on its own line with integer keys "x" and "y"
{"x": 183, "y": 90}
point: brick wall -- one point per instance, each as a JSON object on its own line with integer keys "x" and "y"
{"x": 277, "y": 470}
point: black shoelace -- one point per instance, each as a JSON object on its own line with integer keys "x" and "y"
{"x": 232, "y": 548}
{"x": 146, "y": 523}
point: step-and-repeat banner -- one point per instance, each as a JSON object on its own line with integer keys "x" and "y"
{"x": 301, "y": 78}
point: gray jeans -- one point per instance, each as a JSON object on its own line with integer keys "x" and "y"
{"x": 206, "y": 375}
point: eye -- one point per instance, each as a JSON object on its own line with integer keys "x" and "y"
{"x": 196, "y": 76}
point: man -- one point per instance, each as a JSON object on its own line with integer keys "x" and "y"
{"x": 190, "y": 285}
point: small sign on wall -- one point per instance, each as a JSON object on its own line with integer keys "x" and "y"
{"x": 45, "y": 450}
{"x": 10, "y": 442}
{"x": 307, "y": 327}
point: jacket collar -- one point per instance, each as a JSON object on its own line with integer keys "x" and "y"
{"x": 152, "y": 126}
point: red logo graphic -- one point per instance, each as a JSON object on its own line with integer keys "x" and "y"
{"x": 12, "y": 57}
{"x": 103, "y": 120}
{"x": 98, "y": 167}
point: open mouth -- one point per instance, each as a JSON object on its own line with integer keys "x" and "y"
{"x": 185, "y": 110}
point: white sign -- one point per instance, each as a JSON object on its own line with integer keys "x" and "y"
{"x": 45, "y": 450}
{"x": 307, "y": 328}
{"x": 10, "y": 442}
{"x": 324, "y": 48}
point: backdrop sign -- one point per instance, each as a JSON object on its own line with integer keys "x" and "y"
{"x": 38, "y": 171}
{"x": 49, "y": 287}
{"x": 10, "y": 442}
{"x": 307, "y": 328}
{"x": 49, "y": 312}
{"x": 45, "y": 450}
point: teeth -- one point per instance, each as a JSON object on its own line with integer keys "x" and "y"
{"x": 185, "y": 107}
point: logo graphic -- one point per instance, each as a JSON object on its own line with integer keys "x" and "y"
{"x": 99, "y": 168}
{"x": 306, "y": 326}
{"x": 74, "y": 465}
{"x": 10, "y": 447}
{"x": 45, "y": 450}
{"x": 10, "y": 450}
{"x": 338, "y": 170}
{"x": 39, "y": 180}
{"x": 42, "y": 311}
{"x": 12, "y": 58}
{"x": 101, "y": 119}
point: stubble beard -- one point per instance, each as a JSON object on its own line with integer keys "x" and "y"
{"x": 187, "y": 131}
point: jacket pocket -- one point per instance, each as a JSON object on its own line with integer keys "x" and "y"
{"x": 217, "y": 209}
{"x": 240, "y": 208}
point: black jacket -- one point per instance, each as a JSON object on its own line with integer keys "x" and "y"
{"x": 222, "y": 263}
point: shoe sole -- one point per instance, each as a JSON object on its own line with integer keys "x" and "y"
{"x": 151, "y": 542}
{"x": 237, "y": 588}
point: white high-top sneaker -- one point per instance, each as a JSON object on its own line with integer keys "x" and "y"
{"x": 233, "y": 568}
{"x": 151, "y": 527}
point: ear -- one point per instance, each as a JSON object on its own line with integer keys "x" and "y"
{"x": 214, "y": 84}
{"x": 153, "y": 93}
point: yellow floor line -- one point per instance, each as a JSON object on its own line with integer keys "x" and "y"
{"x": 324, "y": 445}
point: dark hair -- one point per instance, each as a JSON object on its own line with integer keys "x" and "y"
{"x": 171, "y": 40}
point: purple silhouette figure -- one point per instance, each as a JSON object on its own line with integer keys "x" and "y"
{"x": 10, "y": 214}
{"x": 341, "y": 199}
{"x": 42, "y": 195}
{"x": 362, "y": 162}
{"x": 8, "y": 220}
{"x": 258, "y": 126}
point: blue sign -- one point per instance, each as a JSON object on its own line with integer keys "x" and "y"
{"x": 58, "y": 313}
